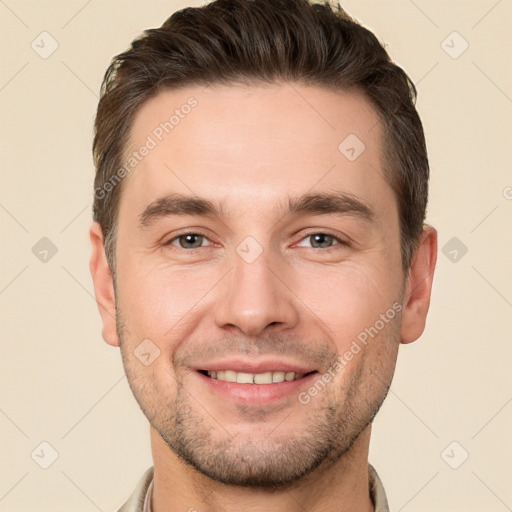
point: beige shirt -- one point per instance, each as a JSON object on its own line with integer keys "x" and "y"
{"x": 140, "y": 500}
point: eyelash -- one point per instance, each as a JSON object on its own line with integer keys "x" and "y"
{"x": 340, "y": 242}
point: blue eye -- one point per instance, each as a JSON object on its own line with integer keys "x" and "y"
{"x": 323, "y": 240}
{"x": 188, "y": 241}
{"x": 319, "y": 240}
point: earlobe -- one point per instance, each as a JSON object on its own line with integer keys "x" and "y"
{"x": 103, "y": 285}
{"x": 419, "y": 286}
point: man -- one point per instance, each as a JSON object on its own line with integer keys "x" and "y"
{"x": 259, "y": 251}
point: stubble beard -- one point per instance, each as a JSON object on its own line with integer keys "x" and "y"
{"x": 330, "y": 427}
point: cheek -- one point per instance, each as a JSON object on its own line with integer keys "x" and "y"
{"x": 348, "y": 299}
{"x": 160, "y": 302}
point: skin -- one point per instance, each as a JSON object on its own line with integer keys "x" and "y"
{"x": 248, "y": 148}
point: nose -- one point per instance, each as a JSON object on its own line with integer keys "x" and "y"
{"x": 254, "y": 297}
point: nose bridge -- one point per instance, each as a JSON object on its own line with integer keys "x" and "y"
{"x": 254, "y": 297}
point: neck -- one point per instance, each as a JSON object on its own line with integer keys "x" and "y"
{"x": 339, "y": 486}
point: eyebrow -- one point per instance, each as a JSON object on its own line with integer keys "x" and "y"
{"x": 337, "y": 203}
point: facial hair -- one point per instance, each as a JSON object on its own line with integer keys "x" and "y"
{"x": 326, "y": 431}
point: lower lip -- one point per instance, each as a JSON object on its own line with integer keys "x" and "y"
{"x": 257, "y": 394}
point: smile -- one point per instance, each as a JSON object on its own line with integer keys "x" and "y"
{"x": 253, "y": 378}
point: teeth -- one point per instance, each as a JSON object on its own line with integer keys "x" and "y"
{"x": 254, "y": 378}
{"x": 278, "y": 377}
{"x": 229, "y": 376}
{"x": 263, "y": 378}
{"x": 244, "y": 378}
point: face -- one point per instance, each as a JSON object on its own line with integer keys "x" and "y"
{"x": 259, "y": 285}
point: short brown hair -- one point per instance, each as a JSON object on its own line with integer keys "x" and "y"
{"x": 263, "y": 41}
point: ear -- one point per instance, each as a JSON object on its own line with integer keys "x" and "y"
{"x": 103, "y": 285}
{"x": 419, "y": 286}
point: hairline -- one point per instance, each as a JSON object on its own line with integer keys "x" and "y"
{"x": 388, "y": 158}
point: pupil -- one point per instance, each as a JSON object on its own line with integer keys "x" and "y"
{"x": 320, "y": 239}
{"x": 189, "y": 239}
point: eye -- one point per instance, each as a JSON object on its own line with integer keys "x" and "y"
{"x": 187, "y": 241}
{"x": 191, "y": 241}
{"x": 323, "y": 240}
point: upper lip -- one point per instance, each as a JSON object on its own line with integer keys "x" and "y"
{"x": 260, "y": 366}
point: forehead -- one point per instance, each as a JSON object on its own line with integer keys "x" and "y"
{"x": 248, "y": 145}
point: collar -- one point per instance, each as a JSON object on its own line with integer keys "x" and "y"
{"x": 140, "y": 500}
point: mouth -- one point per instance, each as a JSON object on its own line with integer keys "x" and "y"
{"x": 255, "y": 389}
{"x": 265, "y": 378}
{"x": 254, "y": 382}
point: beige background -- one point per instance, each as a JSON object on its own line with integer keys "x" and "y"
{"x": 60, "y": 383}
